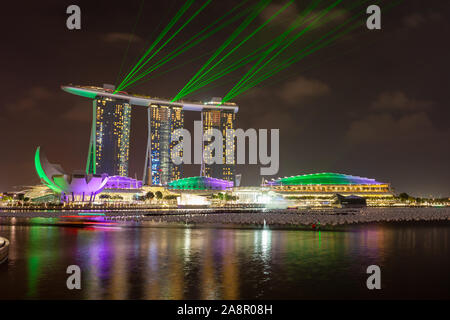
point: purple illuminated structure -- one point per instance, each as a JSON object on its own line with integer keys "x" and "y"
{"x": 72, "y": 187}
{"x": 123, "y": 183}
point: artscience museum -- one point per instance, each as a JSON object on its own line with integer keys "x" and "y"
{"x": 77, "y": 186}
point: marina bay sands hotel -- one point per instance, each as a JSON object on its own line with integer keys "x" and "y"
{"x": 109, "y": 146}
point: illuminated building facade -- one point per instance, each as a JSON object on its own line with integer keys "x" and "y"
{"x": 220, "y": 119}
{"x": 159, "y": 167}
{"x": 331, "y": 183}
{"x": 109, "y": 147}
{"x": 110, "y": 137}
{"x": 200, "y": 183}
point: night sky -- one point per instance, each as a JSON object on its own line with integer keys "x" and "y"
{"x": 375, "y": 104}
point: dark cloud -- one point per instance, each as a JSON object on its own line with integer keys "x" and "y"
{"x": 80, "y": 112}
{"x": 296, "y": 90}
{"x": 398, "y": 101}
{"x": 119, "y": 37}
{"x": 407, "y": 130}
{"x": 294, "y": 11}
{"x": 29, "y": 101}
{"x": 416, "y": 20}
{"x": 284, "y": 19}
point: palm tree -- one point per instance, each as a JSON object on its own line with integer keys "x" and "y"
{"x": 150, "y": 195}
{"x": 159, "y": 195}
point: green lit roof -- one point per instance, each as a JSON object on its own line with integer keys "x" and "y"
{"x": 200, "y": 183}
{"x": 81, "y": 92}
{"x": 325, "y": 178}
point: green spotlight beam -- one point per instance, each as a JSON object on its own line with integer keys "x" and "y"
{"x": 166, "y": 29}
{"x": 175, "y": 34}
{"x": 242, "y": 62}
{"x": 309, "y": 67}
{"x": 261, "y": 5}
{"x": 279, "y": 40}
{"x": 232, "y": 67}
{"x": 181, "y": 50}
{"x": 288, "y": 64}
{"x": 155, "y": 31}
{"x": 317, "y": 64}
{"x": 159, "y": 74}
{"x": 276, "y": 66}
{"x": 258, "y": 8}
{"x": 129, "y": 42}
{"x": 298, "y": 35}
{"x": 191, "y": 43}
{"x": 239, "y": 63}
{"x": 299, "y": 57}
{"x": 200, "y": 77}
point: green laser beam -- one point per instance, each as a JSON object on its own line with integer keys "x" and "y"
{"x": 260, "y": 6}
{"x": 323, "y": 36}
{"x": 154, "y": 31}
{"x": 174, "y": 54}
{"x": 297, "y": 58}
{"x": 279, "y": 40}
{"x": 309, "y": 67}
{"x": 129, "y": 42}
{"x": 175, "y": 34}
{"x": 232, "y": 67}
{"x": 228, "y": 70}
{"x": 191, "y": 43}
{"x": 159, "y": 74}
{"x": 166, "y": 29}
{"x": 253, "y": 73}
{"x": 242, "y": 42}
{"x": 288, "y": 76}
{"x": 286, "y": 65}
{"x": 236, "y": 65}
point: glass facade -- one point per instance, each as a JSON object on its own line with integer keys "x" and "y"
{"x": 163, "y": 121}
{"x": 221, "y": 120}
{"x": 110, "y": 137}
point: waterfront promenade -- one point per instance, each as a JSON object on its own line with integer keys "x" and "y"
{"x": 252, "y": 216}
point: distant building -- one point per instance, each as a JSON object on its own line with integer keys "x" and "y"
{"x": 220, "y": 119}
{"x": 159, "y": 167}
{"x": 200, "y": 183}
{"x": 122, "y": 183}
{"x": 109, "y": 146}
{"x": 330, "y": 183}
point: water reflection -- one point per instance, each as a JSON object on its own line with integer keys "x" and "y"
{"x": 142, "y": 261}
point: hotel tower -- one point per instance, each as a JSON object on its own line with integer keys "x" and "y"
{"x": 110, "y": 136}
{"x": 220, "y": 119}
{"x": 109, "y": 145}
{"x": 163, "y": 120}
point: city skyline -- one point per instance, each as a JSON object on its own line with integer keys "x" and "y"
{"x": 394, "y": 128}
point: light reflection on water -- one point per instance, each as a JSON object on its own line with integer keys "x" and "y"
{"x": 141, "y": 261}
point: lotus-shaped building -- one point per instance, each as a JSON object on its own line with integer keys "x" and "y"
{"x": 72, "y": 187}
